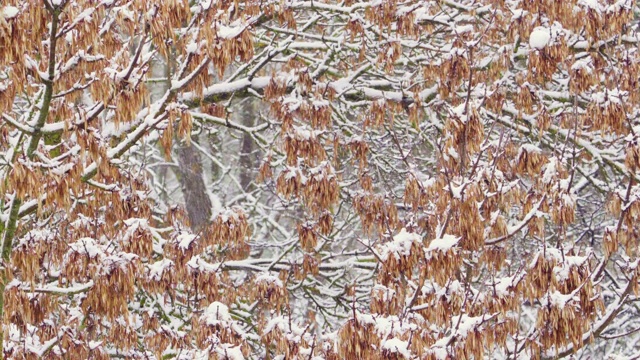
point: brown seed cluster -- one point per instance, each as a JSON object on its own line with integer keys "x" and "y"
{"x": 607, "y": 112}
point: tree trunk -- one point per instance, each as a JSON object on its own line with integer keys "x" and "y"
{"x": 246, "y": 148}
{"x": 194, "y": 189}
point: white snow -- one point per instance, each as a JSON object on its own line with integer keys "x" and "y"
{"x": 206, "y": 4}
{"x": 556, "y": 299}
{"x": 291, "y": 330}
{"x": 458, "y": 190}
{"x": 303, "y": 133}
{"x": 268, "y": 278}
{"x": 230, "y": 352}
{"x": 227, "y": 32}
{"x": 460, "y": 29}
{"x": 561, "y": 271}
{"x": 530, "y": 149}
{"x": 540, "y": 37}
{"x": 400, "y": 246}
{"x": 9, "y": 12}
{"x": 608, "y": 97}
{"x": 518, "y": 14}
{"x": 86, "y": 246}
{"x": 217, "y": 314}
{"x": 453, "y": 153}
{"x": 439, "y": 352}
{"x": 425, "y": 180}
{"x": 196, "y": 264}
{"x": 36, "y": 236}
{"x": 550, "y": 171}
{"x": 118, "y": 261}
{"x": 184, "y": 240}
{"x": 466, "y": 324}
{"x": 443, "y": 244}
{"x": 503, "y": 285}
{"x": 583, "y": 64}
{"x": 134, "y": 224}
{"x": 158, "y": 268}
{"x": 397, "y": 346}
{"x": 591, "y": 4}
{"x": 192, "y": 48}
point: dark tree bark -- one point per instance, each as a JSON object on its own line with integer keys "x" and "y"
{"x": 246, "y": 149}
{"x": 194, "y": 189}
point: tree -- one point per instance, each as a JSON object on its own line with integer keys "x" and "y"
{"x": 319, "y": 180}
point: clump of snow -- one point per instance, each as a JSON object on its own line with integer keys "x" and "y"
{"x": 583, "y": 64}
{"x": 86, "y": 246}
{"x": 397, "y": 346}
{"x": 400, "y": 246}
{"x": 593, "y": 4}
{"x": 540, "y": 37}
{"x": 568, "y": 199}
{"x": 229, "y": 32}
{"x": 562, "y": 270}
{"x": 318, "y": 104}
{"x": 185, "y": 240}
{"x": 196, "y": 264}
{"x": 451, "y": 152}
{"x": 120, "y": 260}
{"x": 230, "y": 351}
{"x": 461, "y": 29}
{"x": 192, "y": 47}
{"x": 443, "y": 244}
{"x": 389, "y": 326}
{"x": 322, "y": 171}
{"x": 552, "y": 254}
{"x": 456, "y": 51}
{"x": 503, "y": 285}
{"x": 268, "y": 278}
{"x": 291, "y": 103}
{"x": 216, "y": 313}
{"x": 518, "y": 14}
{"x": 608, "y": 97}
{"x": 206, "y": 4}
{"x": 13, "y": 284}
{"x": 440, "y": 352}
{"x": 135, "y": 224}
{"x": 529, "y": 149}
{"x": 35, "y": 237}
{"x": 292, "y": 331}
{"x": 467, "y": 324}
{"x": 600, "y": 7}
{"x": 293, "y": 172}
{"x": 9, "y": 12}
{"x": 425, "y": 180}
{"x": 458, "y": 190}
{"x": 556, "y": 299}
{"x": 157, "y": 269}
{"x": 304, "y": 134}
{"x": 550, "y": 171}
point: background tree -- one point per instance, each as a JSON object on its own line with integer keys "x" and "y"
{"x": 319, "y": 180}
